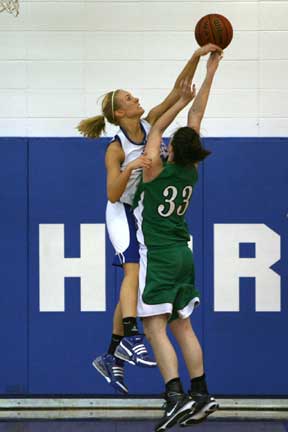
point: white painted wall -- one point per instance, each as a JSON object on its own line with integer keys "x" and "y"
{"x": 58, "y": 57}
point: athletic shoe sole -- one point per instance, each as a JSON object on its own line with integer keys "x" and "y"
{"x": 177, "y": 417}
{"x": 201, "y": 415}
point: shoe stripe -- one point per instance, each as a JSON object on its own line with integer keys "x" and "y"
{"x": 125, "y": 358}
{"x": 137, "y": 347}
{"x": 126, "y": 349}
{"x": 143, "y": 349}
{"x": 146, "y": 362}
{"x": 134, "y": 356}
{"x": 108, "y": 379}
{"x": 141, "y": 352}
{"x": 122, "y": 386}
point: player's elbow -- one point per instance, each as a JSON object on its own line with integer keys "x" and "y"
{"x": 158, "y": 129}
{"x": 154, "y": 140}
{"x": 194, "y": 122}
{"x": 112, "y": 196}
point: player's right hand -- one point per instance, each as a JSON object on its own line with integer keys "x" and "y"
{"x": 140, "y": 162}
{"x": 208, "y": 49}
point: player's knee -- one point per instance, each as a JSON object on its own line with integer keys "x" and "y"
{"x": 181, "y": 325}
{"x": 185, "y": 324}
{"x": 154, "y": 328}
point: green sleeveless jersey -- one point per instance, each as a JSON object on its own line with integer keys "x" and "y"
{"x": 160, "y": 206}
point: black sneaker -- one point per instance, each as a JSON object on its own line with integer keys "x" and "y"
{"x": 176, "y": 407}
{"x": 204, "y": 406}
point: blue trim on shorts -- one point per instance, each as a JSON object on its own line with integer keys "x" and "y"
{"x": 131, "y": 254}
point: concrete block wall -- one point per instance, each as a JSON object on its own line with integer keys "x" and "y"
{"x": 58, "y": 57}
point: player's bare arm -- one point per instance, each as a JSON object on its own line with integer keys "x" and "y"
{"x": 152, "y": 150}
{"x": 197, "y": 110}
{"x": 116, "y": 179}
{"x": 186, "y": 74}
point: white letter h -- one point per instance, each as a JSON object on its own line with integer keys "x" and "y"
{"x": 54, "y": 267}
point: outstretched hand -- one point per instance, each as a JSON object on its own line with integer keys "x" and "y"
{"x": 208, "y": 48}
{"x": 187, "y": 93}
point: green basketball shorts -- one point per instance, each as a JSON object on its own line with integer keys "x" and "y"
{"x": 166, "y": 282}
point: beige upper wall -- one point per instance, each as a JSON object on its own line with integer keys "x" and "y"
{"x": 57, "y": 58}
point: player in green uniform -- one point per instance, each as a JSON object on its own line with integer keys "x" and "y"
{"x": 166, "y": 279}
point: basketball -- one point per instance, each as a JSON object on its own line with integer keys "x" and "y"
{"x": 214, "y": 28}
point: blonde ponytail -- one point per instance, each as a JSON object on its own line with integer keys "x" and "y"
{"x": 92, "y": 127}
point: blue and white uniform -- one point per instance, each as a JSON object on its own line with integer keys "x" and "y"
{"x": 120, "y": 220}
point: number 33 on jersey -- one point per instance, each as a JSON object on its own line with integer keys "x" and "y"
{"x": 160, "y": 206}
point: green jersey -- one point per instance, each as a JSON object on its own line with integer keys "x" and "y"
{"x": 160, "y": 206}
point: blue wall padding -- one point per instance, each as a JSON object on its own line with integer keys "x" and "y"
{"x": 63, "y": 181}
{"x": 14, "y": 253}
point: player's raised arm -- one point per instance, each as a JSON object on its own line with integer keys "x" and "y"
{"x": 186, "y": 74}
{"x": 152, "y": 149}
{"x": 198, "y": 107}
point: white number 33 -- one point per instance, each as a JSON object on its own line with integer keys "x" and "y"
{"x": 170, "y": 193}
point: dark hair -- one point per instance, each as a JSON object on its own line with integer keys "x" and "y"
{"x": 93, "y": 127}
{"x": 187, "y": 147}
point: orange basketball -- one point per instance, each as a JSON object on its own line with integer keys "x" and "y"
{"x": 214, "y": 28}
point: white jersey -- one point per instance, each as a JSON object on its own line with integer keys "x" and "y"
{"x": 132, "y": 151}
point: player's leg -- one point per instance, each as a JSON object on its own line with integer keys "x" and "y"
{"x": 117, "y": 321}
{"x": 122, "y": 233}
{"x": 131, "y": 348}
{"x": 155, "y": 331}
{"x": 128, "y": 298}
{"x": 177, "y": 403}
{"x": 118, "y": 330}
{"x": 192, "y": 353}
{"x": 190, "y": 346}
